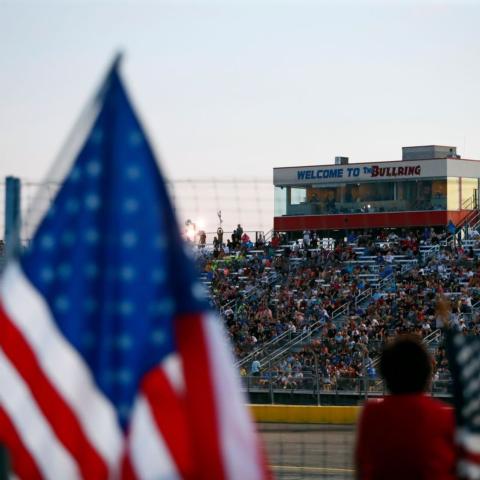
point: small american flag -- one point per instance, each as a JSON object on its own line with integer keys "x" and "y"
{"x": 464, "y": 360}
{"x": 111, "y": 365}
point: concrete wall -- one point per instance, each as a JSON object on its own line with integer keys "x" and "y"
{"x": 305, "y": 414}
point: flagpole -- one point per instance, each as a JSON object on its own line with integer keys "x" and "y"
{"x": 4, "y": 464}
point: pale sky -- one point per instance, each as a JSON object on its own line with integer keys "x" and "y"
{"x": 235, "y": 88}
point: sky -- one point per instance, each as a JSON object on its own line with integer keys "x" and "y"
{"x": 231, "y": 89}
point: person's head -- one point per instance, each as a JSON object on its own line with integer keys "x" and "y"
{"x": 406, "y": 365}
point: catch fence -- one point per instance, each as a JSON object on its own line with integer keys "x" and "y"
{"x": 204, "y": 203}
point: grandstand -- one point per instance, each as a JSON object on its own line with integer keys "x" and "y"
{"x": 315, "y": 318}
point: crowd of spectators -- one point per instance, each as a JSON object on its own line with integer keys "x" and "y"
{"x": 268, "y": 288}
{"x": 265, "y": 292}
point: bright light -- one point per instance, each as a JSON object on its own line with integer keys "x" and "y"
{"x": 190, "y": 233}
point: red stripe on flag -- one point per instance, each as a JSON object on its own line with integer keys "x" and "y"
{"x": 200, "y": 399}
{"x": 23, "y": 463}
{"x": 127, "y": 472}
{"x": 168, "y": 410}
{"x": 469, "y": 456}
{"x": 61, "y": 418}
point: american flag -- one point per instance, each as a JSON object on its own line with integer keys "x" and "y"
{"x": 464, "y": 360}
{"x": 111, "y": 365}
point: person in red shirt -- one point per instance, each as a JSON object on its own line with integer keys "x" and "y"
{"x": 407, "y": 435}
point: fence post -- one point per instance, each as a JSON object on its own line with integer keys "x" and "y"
{"x": 4, "y": 464}
{"x": 12, "y": 211}
{"x": 272, "y": 400}
{"x": 365, "y": 375}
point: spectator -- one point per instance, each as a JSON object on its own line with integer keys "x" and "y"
{"x": 255, "y": 368}
{"x": 407, "y": 434}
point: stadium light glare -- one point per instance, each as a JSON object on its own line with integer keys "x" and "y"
{"x": 190, "y": 233}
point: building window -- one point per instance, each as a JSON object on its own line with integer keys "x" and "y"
{"x": 280, "y": 201}
{"x": 372, "y": 197}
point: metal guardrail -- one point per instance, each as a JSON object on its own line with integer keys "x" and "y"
{"x": 318, "y": 387}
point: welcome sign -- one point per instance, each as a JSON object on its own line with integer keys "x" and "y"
{"x": 354, "y": 173}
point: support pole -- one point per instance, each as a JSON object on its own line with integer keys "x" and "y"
{"x": 12, "y": 211}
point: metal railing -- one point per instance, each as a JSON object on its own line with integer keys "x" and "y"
{"x": 472, "y": 218}
{"x": 429, "y": 251}
{"x": 314, "y": 389}
{"x": 268, "y": 354}
{"x": 363, "y": 296}
{"x": 269, "y": 279}
{"x": 268, "y": 236}
{"x": 433, "y": 336}
{"x": 264, "y": 348}
{"x": 301, "y": 337}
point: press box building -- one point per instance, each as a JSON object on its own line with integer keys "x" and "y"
{"x": 430, "y": 186}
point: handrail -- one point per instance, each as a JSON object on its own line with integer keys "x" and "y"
{"x": 339, "y": 312}
{"x": 432, "y": 336}
{"x": 361, "y": 297}
{"x": 268, "y": 236}
{"x": 476, "y": 222}
{"x": 262, "y": 347}
{"x": 473, "y": 215}
{"x": 272, "y": 341}
{"x": 271, "y": 277}
{"x": 266, "y": 346}
{"x": 429, "y": 251}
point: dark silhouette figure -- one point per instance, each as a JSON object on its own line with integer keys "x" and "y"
{"x": 407, "y": 434}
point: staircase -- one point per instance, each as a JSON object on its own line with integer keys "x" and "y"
{"x": 472, "y": 218}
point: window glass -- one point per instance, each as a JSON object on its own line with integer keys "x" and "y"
{"x": 297, "y": 195}
{"x": 370, "y": 197}
{"x": 280, "y": 201}
{"x": 297, "y": 201}
{"x": 422, "y": 195}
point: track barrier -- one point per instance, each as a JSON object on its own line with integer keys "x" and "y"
{"x": 327, "y": 415}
